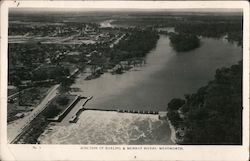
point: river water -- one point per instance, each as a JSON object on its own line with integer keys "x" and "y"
{"x": 165, "y": 75}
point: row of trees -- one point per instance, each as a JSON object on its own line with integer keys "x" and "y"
{"x": 213, "y": 115}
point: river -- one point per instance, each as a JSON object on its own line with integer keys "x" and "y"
{"x": 165, "y": 75}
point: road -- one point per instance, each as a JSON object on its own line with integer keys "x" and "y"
{"x": 16, "y": 128}
{"x": 116, "y": 41}
{"x": 15, "y": 94}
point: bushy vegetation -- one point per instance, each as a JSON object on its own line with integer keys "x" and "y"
{"x": 53, "y": 72}
{"x": 213, "y": 115}
{"x": 63, "y": 100}
{"x": 175, "y": 104}
{"x": 184, "y": 42}
{"x": 52, "y": 111}
{"x": 175, "y": 118}
{"x": 57, "y": 105}
{"x": 32, "y": 96}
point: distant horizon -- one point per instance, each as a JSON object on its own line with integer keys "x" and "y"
{"x": 180, "y": 10}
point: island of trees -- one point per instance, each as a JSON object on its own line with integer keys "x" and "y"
{"x": 137, "y": 44}
{"x": 212, "y": 115}
{"x": 182, "y": 42}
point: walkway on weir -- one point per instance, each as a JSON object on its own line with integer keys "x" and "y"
{"x": 75, "y": 117}
{"x": 124, "y": 111}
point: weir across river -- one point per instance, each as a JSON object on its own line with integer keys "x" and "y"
{"x": 72, "y": 118}
{"x": 75, "y": 117}
{"x": 125, "y": 111}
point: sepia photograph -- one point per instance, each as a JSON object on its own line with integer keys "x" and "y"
{"x": 125, "y": 76}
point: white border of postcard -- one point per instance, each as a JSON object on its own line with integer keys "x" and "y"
{"x": 89, "y": 152}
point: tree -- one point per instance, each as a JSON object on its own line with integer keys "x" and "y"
{"x": 175, "y": 104}
{"x": 175, "y": 119}
{"x": 15, "y": 80}
{"x": 66, "y": 83}
{"x": 62, "y": 100}
{"x": 51, "y": 111}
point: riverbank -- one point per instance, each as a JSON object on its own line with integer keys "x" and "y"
{"x": 173, "y": 131}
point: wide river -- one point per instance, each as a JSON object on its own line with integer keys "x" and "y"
{"x": 165, "y": 75}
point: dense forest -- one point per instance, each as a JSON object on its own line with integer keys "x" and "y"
{"x": 136, "y": 45}
{"x": 233, "y": 30}
{"x": 184, "y": 42}
{"x": 213, "y": 115}
{"x": 207, "y": 25}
